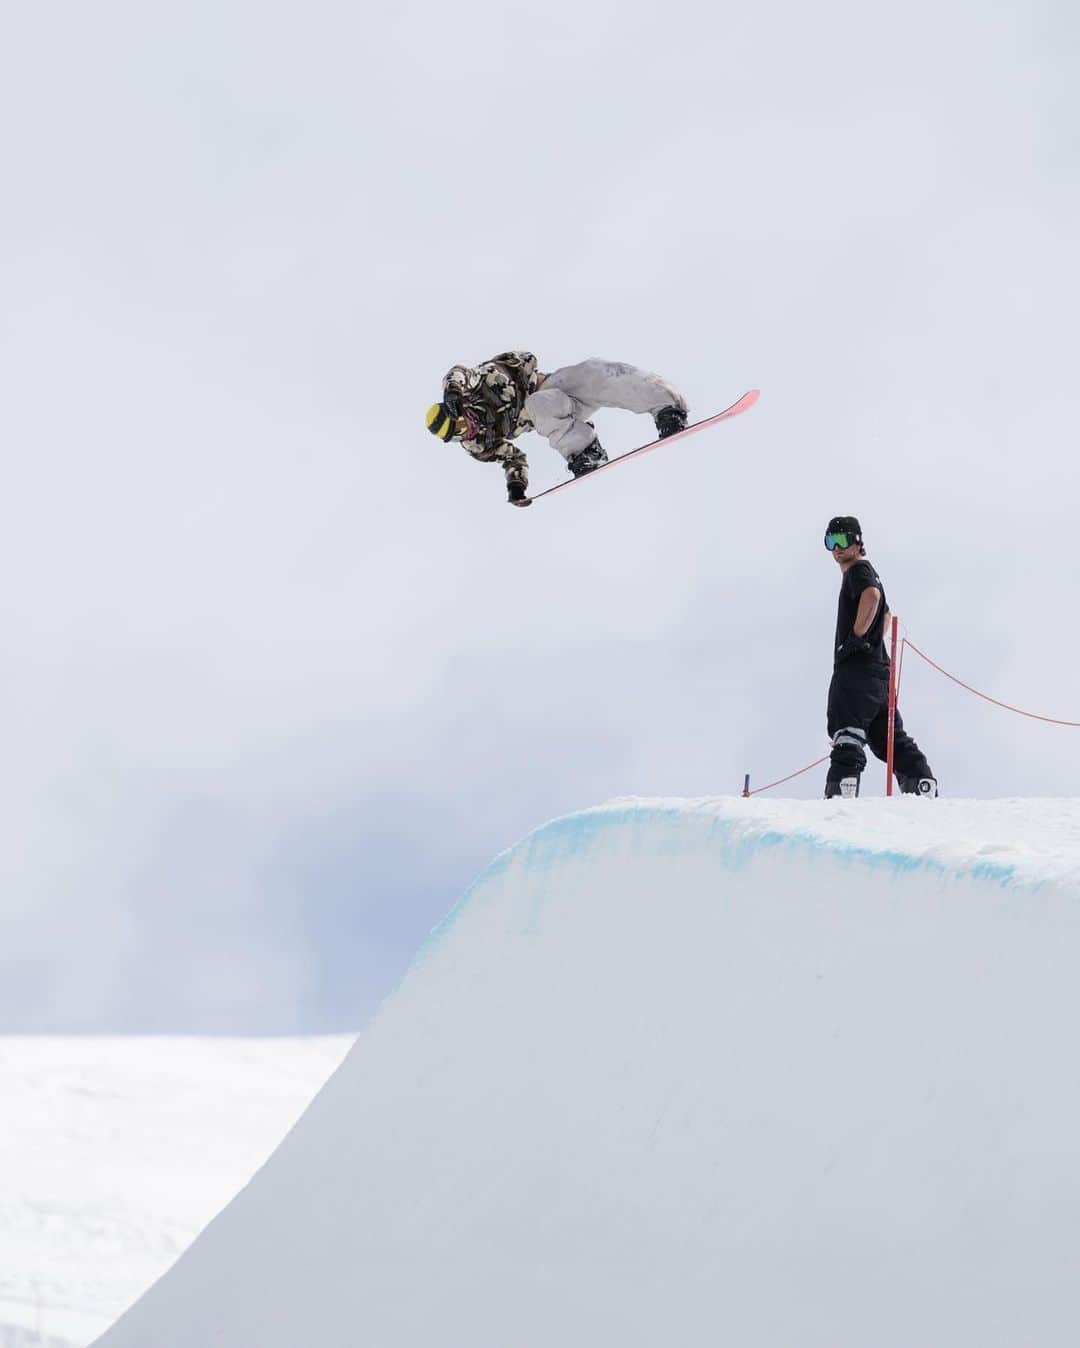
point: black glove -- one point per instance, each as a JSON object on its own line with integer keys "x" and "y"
{"x": 851, "y": 645}
{"x": 515, "y": 494}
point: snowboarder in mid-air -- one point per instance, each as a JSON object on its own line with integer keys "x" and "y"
{"x": 858, "y": 711}
{"x": 488, "y": 406}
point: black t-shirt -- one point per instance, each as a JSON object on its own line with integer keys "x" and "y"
{"x": 856, "y": 579}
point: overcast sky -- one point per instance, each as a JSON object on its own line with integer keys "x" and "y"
{"x": 282, "y": 671}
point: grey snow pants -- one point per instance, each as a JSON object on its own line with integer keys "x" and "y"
{"x": 561, "y": 407}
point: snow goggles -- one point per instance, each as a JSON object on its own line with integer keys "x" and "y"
{"x": 440, "y": 422}
{"x": 840, "y": 540}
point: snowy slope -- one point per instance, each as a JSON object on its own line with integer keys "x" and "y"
{"x": 748, "y": 1072}
{"x": 114, "y": 1153}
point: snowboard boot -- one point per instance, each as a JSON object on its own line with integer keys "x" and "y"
{"x": 846, "y": 787}
{"x": 918, "y": 786}
{"x": 670, "y": 421}
{"x": 587, "y": 460}
{"x": 515, "y": 494}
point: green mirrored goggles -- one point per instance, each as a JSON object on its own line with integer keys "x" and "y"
{"x": 839, "y": 541}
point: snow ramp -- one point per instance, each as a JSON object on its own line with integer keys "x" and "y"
{"x": 694, "y": 1072}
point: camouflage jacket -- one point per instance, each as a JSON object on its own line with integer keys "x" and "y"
{"x": 491, "y": 399}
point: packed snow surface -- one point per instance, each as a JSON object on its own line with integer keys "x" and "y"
{"x": 678, "y": 1073}
{"x": 115, "y": 1153}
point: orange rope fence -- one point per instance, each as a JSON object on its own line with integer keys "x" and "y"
{"x": 1052, "y": 720}
{"x": 781, "y": 780}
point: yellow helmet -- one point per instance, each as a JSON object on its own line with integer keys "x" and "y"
{"x": 440, "y": 422}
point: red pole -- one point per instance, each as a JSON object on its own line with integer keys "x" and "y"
{"x": 892, "y": 710}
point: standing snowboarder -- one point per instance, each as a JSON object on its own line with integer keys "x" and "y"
{"x": 858, "y": 711}
{"x": 488, "y": 406}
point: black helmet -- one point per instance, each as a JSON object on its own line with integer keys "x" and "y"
{"x": 847, "y": 526}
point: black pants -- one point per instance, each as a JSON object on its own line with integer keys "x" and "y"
{"x": 859, "y": 716}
